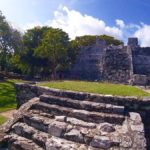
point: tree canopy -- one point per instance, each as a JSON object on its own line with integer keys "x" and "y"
{"x": 91, "y": 39}
{"x": 10, "y": 42}
{"x": 53, "y": 47}
{"x": 110, "y": 40}
{"x": 26, "y": 60}
{"x": 41, "y": 51}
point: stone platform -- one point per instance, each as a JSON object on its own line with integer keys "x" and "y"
{"x": 54, "y": 121}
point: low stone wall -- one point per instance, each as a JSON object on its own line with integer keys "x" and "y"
{"x": 140, "y": 79}
{"x": 26, "y": 91}
{"x": 135, "y": 104}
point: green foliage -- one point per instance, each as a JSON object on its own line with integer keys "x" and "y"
{"x": 10, "y": 43}
{"x": 41, "y": 50}
{"x": 91, "y": 40}
{"x": 85, "y": 40}
{"x": 97, "y": 87}
{"x": 33, "y": 37}
{"x": 110, "y": 40}
{"x": 72, "y": 52}
{"x": 54, "y": 48}
{"x": 21, "y": 65}
{"x": 26, "y": 60}
{"x": 44, "y": 52}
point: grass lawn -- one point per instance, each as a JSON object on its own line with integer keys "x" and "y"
{"x": 2, "y": 120}
{"x": 7, "y": 95}
{"x": 97, "y": 87}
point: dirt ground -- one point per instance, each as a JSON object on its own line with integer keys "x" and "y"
{"x": 148, "y": 91}
{"x": 8, "y": 114}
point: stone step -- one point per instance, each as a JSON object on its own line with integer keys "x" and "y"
{"x": 43, "y": 118}
{"x": 93, "y": 97}
{"x": 76, "y": 139}
{"x": 71, "y": 129}
{"x": 17, "y": 142}
{"x": 94, "y": 117}
{"x": 85, "y": 105}
{"x": 58, "y": 128}
{"x": 46, "y": 141}
{"x": 30, "y": 133}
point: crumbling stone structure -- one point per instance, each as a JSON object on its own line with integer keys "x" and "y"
{"x": 126, "y": 64}
{"x": 89, "y": 64}
{"x": 51, "y": 119}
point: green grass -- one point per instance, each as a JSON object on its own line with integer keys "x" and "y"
{"x": 8, "y": 95}
{"x": 97, "y": 87}
{"x": 2, "y": 120}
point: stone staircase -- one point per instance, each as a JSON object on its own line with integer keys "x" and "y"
{"x": 63, "y": 123}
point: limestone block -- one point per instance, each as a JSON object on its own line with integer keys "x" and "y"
{"x": 74, "y": 135}
{"x": 101, "y": 142}
{"x": 57, "y": 128}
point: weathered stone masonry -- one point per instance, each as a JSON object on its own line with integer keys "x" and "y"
{"x": 54, "y": 119}
{"x": 126, "y": 64}
{"x": 89, "y": 64}
{"x": 117, "y": 64}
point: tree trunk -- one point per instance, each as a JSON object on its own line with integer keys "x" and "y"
{"x": 54, "y": 74}
{"x": 32, "y": 72}
{"x": 54, "y": 64}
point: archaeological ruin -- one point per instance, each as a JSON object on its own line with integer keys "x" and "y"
{"x": 125, "y": 64}
{"x": 52, "y": 119}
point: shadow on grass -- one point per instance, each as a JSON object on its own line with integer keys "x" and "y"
{"x": 7, "y": 95}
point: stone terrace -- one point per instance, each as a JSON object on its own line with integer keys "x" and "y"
{"x": 50, "y": 119}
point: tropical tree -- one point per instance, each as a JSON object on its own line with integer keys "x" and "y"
{"x": 26, "y": 60}
{"x": 10, "y": 43}
{"x": 91, "y": 39}
{"x": 111, "y": 40}
{"x": 85, "y": 40}
{"x": 73, "y": 51}
{"x": 54, "y": 48}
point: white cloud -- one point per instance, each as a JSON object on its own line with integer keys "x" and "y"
{"x": 143, "y": 35}
{"x": 120, "y": 23}
{"x": 32, "y": 25}
{"x": 77, "y": 24}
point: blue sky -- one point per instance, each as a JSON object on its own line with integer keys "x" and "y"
{"x": 134, "y": 11}
{"x": 119, "y": 18}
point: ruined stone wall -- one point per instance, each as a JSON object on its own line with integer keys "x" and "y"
{"x": 123, "y": 64}
{"x": 89, "y": 63}
{"x": 141, "y": 60}
{"x": 117, "y": 64}
{"x": 102, "y": 62}
{"x": 25, "y": 92}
